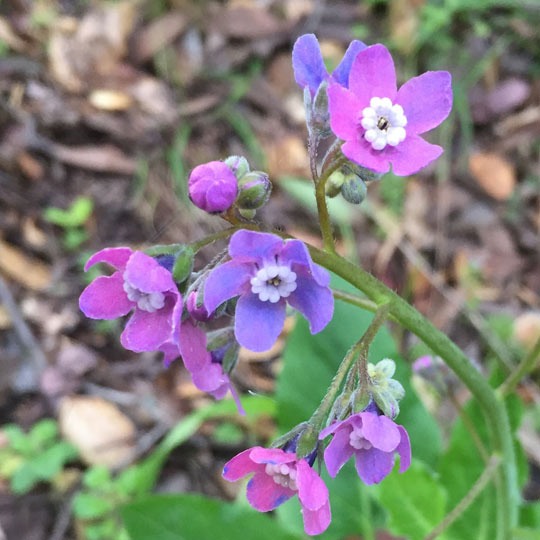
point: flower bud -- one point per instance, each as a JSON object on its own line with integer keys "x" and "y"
{"x": 385, "y": 390}
{"x": 319, "y": 117}
{"x": 354, "y": 190}
{"x": 239, "y": 165}
{"x": 255, "y": 188}
{"x": 213, "y": 187}
{"x": 335, "y": 183}
{"x": 196, "y": 309}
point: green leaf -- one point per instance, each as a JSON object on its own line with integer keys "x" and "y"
{"x": 75, "y": 216}
{"x": 415, "y": 502}
{"x": 18, "y": 440}
{"x": 97, "y": 477}
{"x": 43, "y": 433}
{"x": 49, "y": 463}
{"x": 24, "y": 479}
{"x": 88, "y": 506}
{"x": 194, "y": 517}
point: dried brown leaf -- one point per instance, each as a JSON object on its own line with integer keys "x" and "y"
{"x": 96, "y": 158}
{"x": 26, "y": 270}
{"x": 495, "y": 174}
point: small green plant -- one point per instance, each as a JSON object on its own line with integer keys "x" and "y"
{"x": 72, "y": 221}
{"x": 37, "y": 456}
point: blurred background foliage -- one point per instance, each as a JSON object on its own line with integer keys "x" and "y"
{"x": 105, "y": 106}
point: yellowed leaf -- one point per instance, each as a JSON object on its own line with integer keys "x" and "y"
{"x": 98, "y": 429}
{"x": 496, "y": 175}
{"x": 110, "y": 100}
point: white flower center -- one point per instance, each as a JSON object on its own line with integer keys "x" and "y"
{"x": 283, "y": 474}
{"x": 358, "y": 441}
{"x": 384, "y": 123}
{"x": 146, "y": 301}
{"x": 273, "y": 282}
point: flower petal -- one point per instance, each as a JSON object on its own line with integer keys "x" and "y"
{"x": 426, "y": 100}
{"x": 373, "y": 74}
{"x": 116, "y": 257}
{"x": 412, "y": 154}
{"x": 295, "y": 251}
{"x": 317, "y": 521}
{"x": 258, "y": 324}
{"x": 308, "y": 63}
{"x": 373, "y": 465}
{"x": 210, "y": 378}
{"x": 225, "y": 282}
{"x": 239, "y": 466}
{"x": 264, "y": 494}
{"x": 252, "y": 246}
{"x": 361, "y": 152}
{"x": 105, "y": 298}
{"x": 271, "y": 455}
{"x": 146, "y": 274}
{"x": 341, "y": 73}
{"x": 170, "y": 353}
{"x": 316, "y": 303}
{"x": 146, "y": 331}
{"x": 380, "y": 431}
{"x": 338, "y": 452}
{"x": 344, "y": 108}
{"x": 192, "y": 345}
{"x": 404, "y": 450}
{"x": 312, "y": 491}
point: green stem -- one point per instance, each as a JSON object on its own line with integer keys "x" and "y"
{"x": 319, "y": 416}
{"x": 469, "y": 498}
{"x": 525, "y": 366}
{"x": 493, "y": 407}
{"x": 199, "y": 244}
{"x": 322, "y": 208}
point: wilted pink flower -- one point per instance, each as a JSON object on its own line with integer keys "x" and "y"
{"x": 372, "y": 439}
{"x": 141, "y": 284}
{"x": 278, "y": 477}
{"x": 267, "y": 273}
{"x": 381, "y": 125}
{"x": 213, "y": 187}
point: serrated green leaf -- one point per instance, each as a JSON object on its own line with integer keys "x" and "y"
{"x": 194, "y": 517}
{"x": 415, "y": 502}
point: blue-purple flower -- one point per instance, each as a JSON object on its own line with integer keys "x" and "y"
{"x": 373, "y": 439}
{"x": 266, "y": 272}
{"x": 309, "y": 68}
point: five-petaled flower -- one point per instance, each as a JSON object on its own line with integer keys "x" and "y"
{"x": 372, "y": 439}
{"x": 267, "y": 272}
{"x": 278, "y": 477}
{"x": 141, "y": 284}
{"x": 309, "y": 68}
{"x": 380, "y": 124}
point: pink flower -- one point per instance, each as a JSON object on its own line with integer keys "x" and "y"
{"x": 278, "y": 477}
{"x": 140, "y": 284}
{"x": 372, "y": 439}
{"x": 213, "y": 187}
{"x": 381, "y": 125}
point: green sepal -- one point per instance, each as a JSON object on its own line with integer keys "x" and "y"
{"x": 183, "y": 265}
{"x": 307, "y": 442}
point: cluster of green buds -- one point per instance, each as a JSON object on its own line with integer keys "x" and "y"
{"x": 350, "y": 180}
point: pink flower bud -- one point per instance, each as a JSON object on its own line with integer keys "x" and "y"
{"x": 213, "y": 187}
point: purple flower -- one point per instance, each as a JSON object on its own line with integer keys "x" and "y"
{"x": 278, "y": 477}
{"x": 372, "y": 439}
{"x": 308, "y": 63}
{"x": 141, "y": 284}
{"x": 206, "y": 372}
{"x": 213, "y": 187}
{"x": 197, "y": 313}
{"x": 267, "y": 272}
{"x": 380, "y": 124}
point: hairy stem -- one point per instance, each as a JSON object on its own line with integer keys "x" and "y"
{"x": 199, "y": 244}
{"x": 524, "y": 367}
{"x": 492, "y": 406}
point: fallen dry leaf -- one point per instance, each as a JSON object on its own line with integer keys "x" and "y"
{"x": 110, "y": 100}
{"x": 28, "y": 271}
{"x": 102, "y": 434}
{"x": 527, "y": 329}
{"x": 245, "y": 22}
{"x": 496, "y": 175}
{"x": 158, "y": 33}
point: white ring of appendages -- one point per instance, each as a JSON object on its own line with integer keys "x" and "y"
{"x": 272, "y": 282}
{"x": 384, "y": 123}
